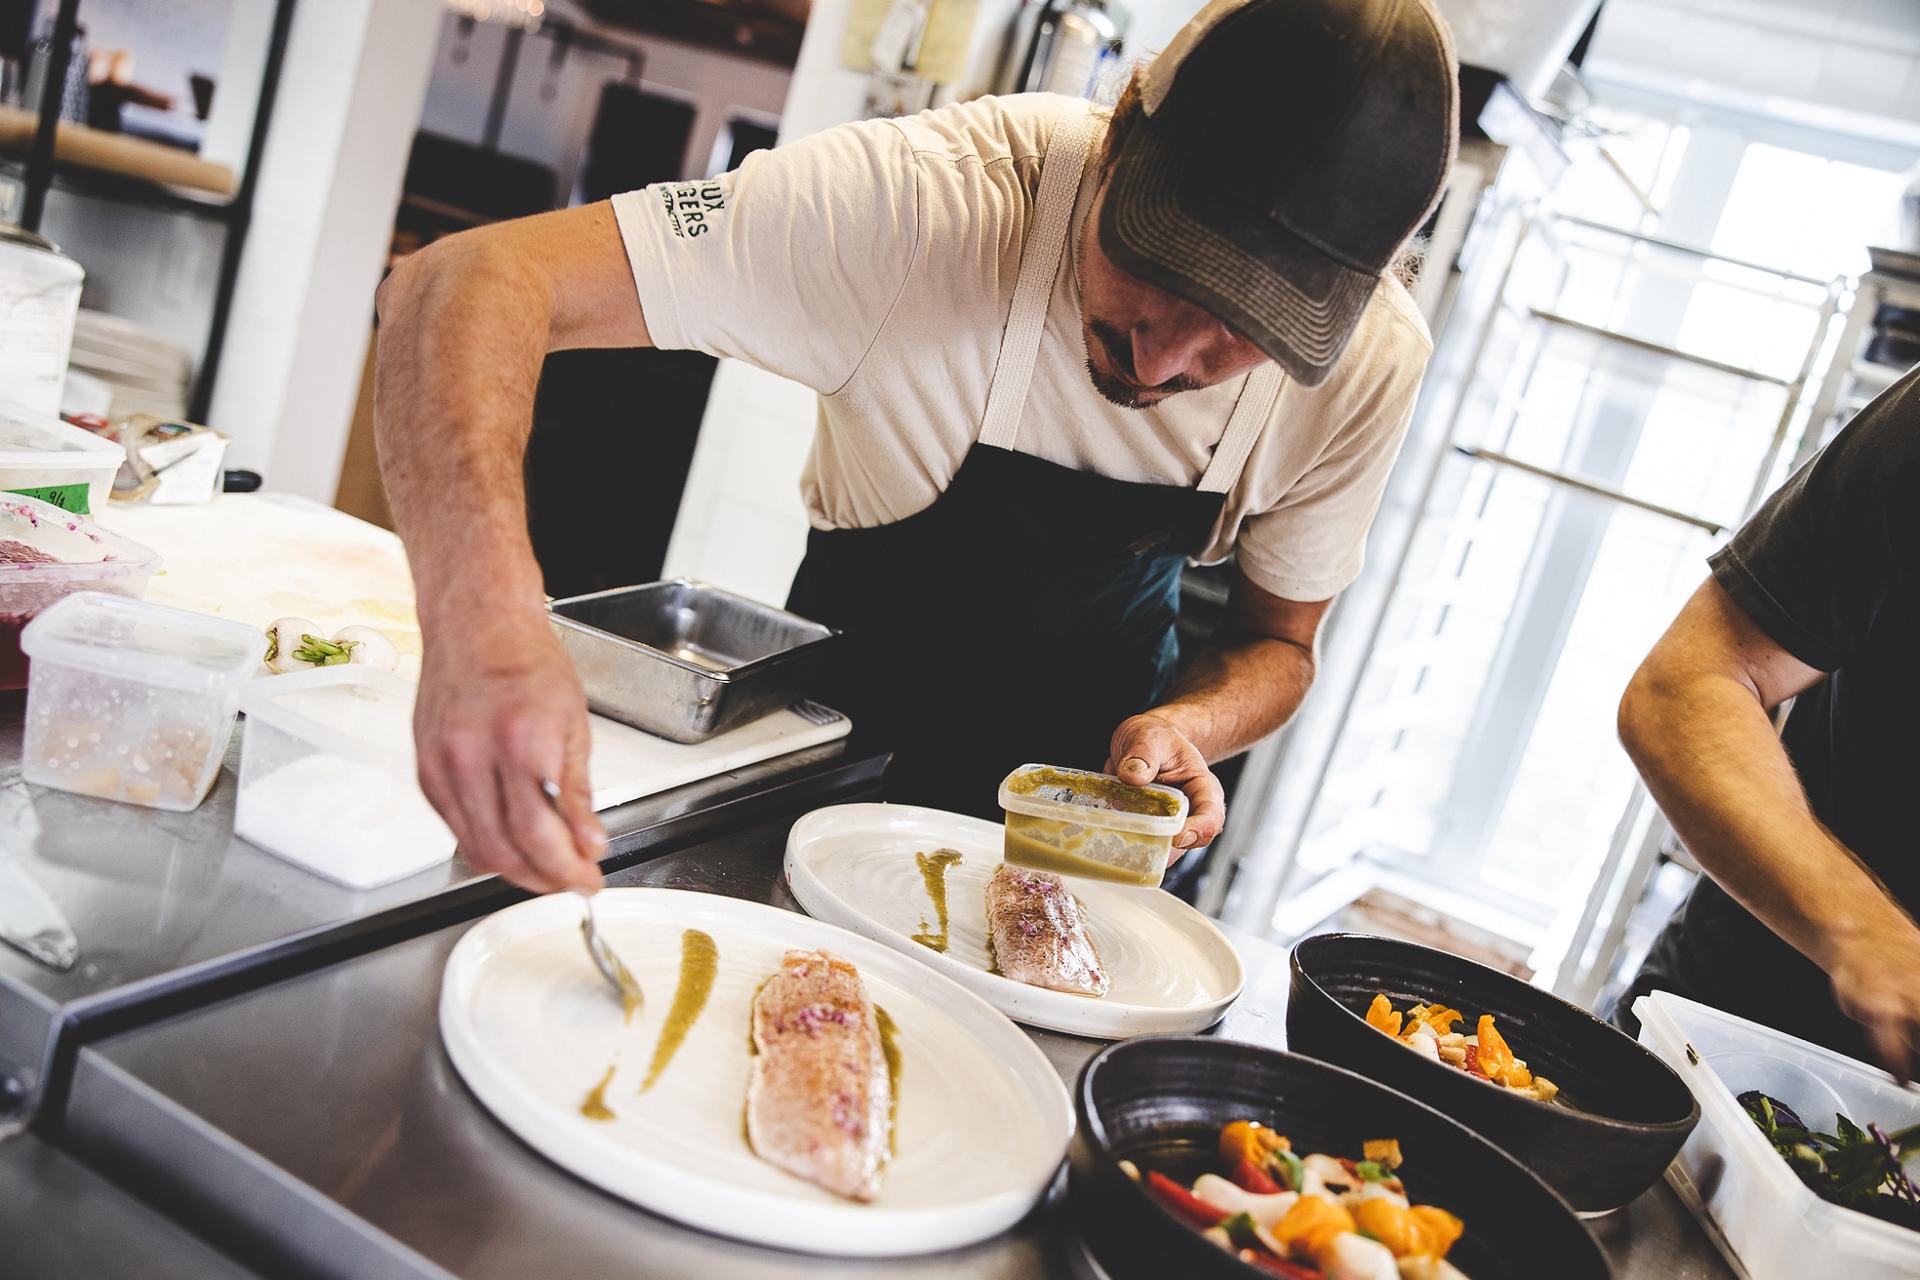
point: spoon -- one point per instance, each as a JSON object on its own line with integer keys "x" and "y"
{"x": 611, "y": 967}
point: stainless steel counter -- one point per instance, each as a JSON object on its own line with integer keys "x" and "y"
{"x": 59, "y": 1218}
{"x": 172, "y": 908}
{"x": 317, "y": 1127}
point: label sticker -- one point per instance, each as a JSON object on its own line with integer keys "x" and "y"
{"x": 67, "y": 497}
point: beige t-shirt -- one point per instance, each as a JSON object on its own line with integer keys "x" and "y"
{"x": 875, "y": 263}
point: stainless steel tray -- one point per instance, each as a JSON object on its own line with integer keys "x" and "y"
{"x": 685, "y": 660}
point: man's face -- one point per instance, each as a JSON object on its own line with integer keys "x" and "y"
{"x": 1144, "y": 344}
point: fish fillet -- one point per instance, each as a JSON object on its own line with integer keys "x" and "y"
{"x": 1038, "y": 934}
{"x": 819, "y": 1099}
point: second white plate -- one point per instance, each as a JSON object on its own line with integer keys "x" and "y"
{"x": 1172, "y": 971}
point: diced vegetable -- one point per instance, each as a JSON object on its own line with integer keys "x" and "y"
{"x": 1310, "y": 1226}
{"x": 1381, "y": 1014}
{"x": 1263, "y": 1209}
{"x": 1289, "y": 1171}
{"x": 1239, "y": 1229}
{"x": 1442, "y": 1229}
{"x": 1408, "y": 1232}
{"x": 1354, "y": 1257}
{"x": 1384, "y": 1151}
{"x": 1249, "y": 1178}
{"x": 1372, "y": 1171}
{"x": 1495, "y": 1058}
{"x": 1183, "y": 1202}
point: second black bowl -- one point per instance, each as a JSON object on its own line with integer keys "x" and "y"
{"x": 1623, "y": 1114}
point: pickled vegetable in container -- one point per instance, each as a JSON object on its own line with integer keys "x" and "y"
{"x": 1075, "y": 822}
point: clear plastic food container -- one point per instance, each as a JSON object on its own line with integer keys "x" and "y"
{"x": 327, "y": 777}
{"x": 1080, "y": 823}
{"x": 1730, "y": 1175}
{"x": 132, "y": 701}
{"x": 44, "y": 458}
{"x": 47, "y": 554}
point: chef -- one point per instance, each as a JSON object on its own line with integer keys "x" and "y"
{"x": 1059, "y": 353}
{"x": 1804, "y": 920}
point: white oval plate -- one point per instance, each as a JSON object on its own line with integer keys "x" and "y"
{"x": 983, "y": 1118}
{"x": 1172, "y": 972}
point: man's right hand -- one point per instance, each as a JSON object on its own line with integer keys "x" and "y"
{"x": 1876, "y": 978}
{"x": 500, "y": 708}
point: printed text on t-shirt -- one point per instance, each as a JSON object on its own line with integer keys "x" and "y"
{"x": 690, "y": 207}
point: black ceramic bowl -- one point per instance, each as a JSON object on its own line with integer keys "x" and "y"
{"x": 1625, "y": 1112}
{"x": 1160, "y": 1102}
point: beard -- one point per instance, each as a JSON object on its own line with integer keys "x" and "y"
{"x": 1117, "y": 388}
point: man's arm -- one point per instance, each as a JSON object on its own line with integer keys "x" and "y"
{"x": 1695, "y": 720}
{"x": 464, "y": 327}
{"x": 1248, "y": 682}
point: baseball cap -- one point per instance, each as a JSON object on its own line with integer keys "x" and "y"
{"x": 1286, "y": 151}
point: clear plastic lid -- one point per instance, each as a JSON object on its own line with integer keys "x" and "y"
{"x": 149, "y": 643}
{"x": 31, "y": 438}
{"x": 358, "y": 712}
{"x": 1093, "y": 799}
{"x": 40, "y": 540}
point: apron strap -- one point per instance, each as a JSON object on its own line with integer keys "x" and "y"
{"x": 1250, "y": 414}
{"x": 1040, "y": 259}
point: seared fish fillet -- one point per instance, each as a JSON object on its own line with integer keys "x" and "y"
{"x": 819, "y": 1101}
{"x": 1038, "y": 934}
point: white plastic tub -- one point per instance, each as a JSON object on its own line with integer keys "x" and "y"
{"x": 132, "y": 701}
{"x": 327, "y": 777}
{"x": 47, "y": 554}
{"x": 1731, "y": 1176}
{"x": 1079, "y": 823}
{"x": 44, "y": 458}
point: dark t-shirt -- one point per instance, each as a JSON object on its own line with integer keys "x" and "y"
{"x": 1830, "y": 569}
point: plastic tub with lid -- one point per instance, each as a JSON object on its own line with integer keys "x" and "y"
{"x": 327, "y": 777}
{"x": 132, "y": 701}
{"x": 47, "y": 554}
{"x": 1080, "y": 823}
{"x": 59, "y": 464}
{"x": 1730, "y": 1175}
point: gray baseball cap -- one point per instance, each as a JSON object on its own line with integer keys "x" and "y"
{"x": 1287, "y": 151}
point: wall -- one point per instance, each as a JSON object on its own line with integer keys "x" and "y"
{"x": 741, "y": 524}
{"x": 1823, "y": 60}
{"x": 355, "y": 77}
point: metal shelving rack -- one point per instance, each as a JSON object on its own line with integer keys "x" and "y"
{"x": 235, "y": 213}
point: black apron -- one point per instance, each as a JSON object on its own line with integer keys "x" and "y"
{"x": 1031, "y": 608}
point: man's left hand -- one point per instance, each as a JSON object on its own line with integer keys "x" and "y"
{"x": 1150, "y": 748}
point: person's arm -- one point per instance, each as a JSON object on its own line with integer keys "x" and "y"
{"x": 1695, "y": 720}
{"x": 464, "y": 327}
{"x": 1248, "y": 682}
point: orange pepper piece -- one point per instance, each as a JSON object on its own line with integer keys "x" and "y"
{"x": 1517, "y": 1077}
{"x": 1495, "y": 1057}
{"x": 1441, "y": 1019}
{"x": 1251, "y": 1141}
{"x": 1439, "y": 1229}
{"x": 1380, "y": 1014}
{"x": 1391, "y": 1223}
{"x": 1310, "y": 1226}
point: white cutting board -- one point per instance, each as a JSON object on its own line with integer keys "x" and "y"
{"x": 627, "y": 764}
{"x": 256, "y": 557}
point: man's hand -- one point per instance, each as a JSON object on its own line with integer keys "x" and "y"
{"x": 1150, "y": 748}
{"x": 499, "y": 709}
{"x": 1874, "y": 978}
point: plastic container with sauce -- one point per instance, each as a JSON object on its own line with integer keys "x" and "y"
{"x": 47, "y": 554}
{"x": 43, "y": 458}
{"x": 132, "y": 701}
{"x": 328, "y": 781}
{"x": 1079, "y": 823}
